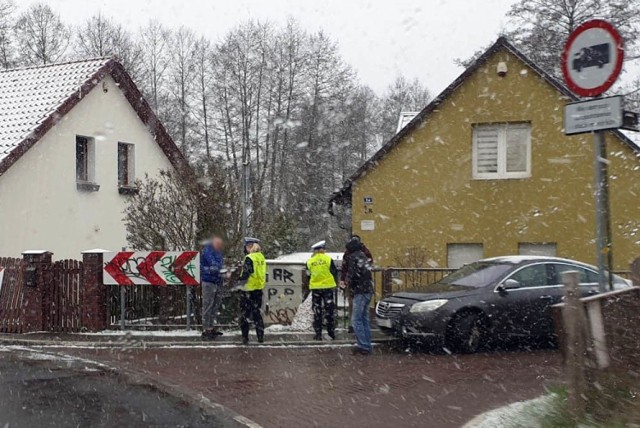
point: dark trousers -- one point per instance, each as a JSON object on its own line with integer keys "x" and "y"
{"x": 323, "y": 300}
{"x": 250, "y": 304}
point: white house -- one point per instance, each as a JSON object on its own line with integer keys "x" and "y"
{"x": 73, "y": 138}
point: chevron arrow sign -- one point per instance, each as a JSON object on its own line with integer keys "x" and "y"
{"x": 151, "y": 268}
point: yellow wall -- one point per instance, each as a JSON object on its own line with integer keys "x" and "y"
{"x": 425, "y": 196}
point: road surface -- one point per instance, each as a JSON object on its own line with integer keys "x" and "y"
{"x": 329, "y": 387}
{"x": 40, "y": 391}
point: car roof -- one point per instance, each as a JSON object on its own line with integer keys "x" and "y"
{"x": 529, "y": 259}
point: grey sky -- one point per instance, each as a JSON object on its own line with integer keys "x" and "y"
{"x": 379, "y": 38}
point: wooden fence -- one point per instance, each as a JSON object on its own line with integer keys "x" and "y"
{"x": 62, "y": 303}
{"x": 11, "y": 293}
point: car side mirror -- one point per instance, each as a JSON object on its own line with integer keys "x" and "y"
{"x": 509, "y": 284}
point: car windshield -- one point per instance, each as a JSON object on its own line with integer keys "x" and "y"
{"x": 476, "y": 275}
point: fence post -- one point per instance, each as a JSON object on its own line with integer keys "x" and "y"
{"x": 387, "y": 282}
{"x": 574, "y": 321}
{"x": 38, "y": 277}
{"x": 94, "y": 300}
{"x": 635, "y": 272}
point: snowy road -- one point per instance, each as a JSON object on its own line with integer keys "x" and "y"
{"x": 307, "y": 386}
{"x": 41, "y": 389}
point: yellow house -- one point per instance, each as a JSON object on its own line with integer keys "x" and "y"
{"x": 486, "y": 170}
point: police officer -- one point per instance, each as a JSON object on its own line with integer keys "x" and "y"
{"x": 254, "y": 274}
{"x": 322, "y": 283}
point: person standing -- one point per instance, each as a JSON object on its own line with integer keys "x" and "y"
{"x": 211, "y": 269}
{"x": 344, "y": 269}
{"x": 360, "y": 284}
{"x": 254, "y": 275}
{"x": 322, "y": 284}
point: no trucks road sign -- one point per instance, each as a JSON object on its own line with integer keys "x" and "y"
{"x": 592, "y": 58}
{"x": 151, "y": 268}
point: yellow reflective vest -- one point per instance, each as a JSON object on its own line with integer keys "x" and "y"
{"x": 258, "y": 278}
{"x": 319, "y": 267}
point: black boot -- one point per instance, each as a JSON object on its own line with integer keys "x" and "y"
{"x": 260, "y": 339}
{"x": 332, "y": 335}
{"x": 245, "y": 340}
{"x": 318, "y": 336}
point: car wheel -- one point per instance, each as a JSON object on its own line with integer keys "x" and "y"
{"x": 466, "y": 334}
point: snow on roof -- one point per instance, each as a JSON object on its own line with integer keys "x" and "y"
{"x": 632, "y": 136}
{"x": 303, "y": 257}
{"x": 28, "y": 96}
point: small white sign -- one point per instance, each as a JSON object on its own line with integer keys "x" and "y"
{"x": 593, "y": 115}
{"x": 368, "y": 225}
{"x": 368, "y": 200}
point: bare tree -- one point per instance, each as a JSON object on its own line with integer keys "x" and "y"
{"x": 42, "y": 38}
{"x": 100, "y": 36}
{"x": 153, "y": 219}
{"x": 181, "y": 71}
{"x": 203, "y": 70}
{"x": 155, "y": 60}
{"x": 401, "y": 96}
{"x": 7, "y": 8}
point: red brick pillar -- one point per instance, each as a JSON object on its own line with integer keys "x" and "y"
{"x": 635, "y": 272}
{"x": 95, "y": 295}
{"x": 37, "y": 281}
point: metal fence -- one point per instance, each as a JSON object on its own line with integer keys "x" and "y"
{"x": 147, "y": 306}
{"x": 392, "y": 280}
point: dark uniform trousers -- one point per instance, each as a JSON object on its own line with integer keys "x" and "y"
{"x": 323, "y": 297}
{"x": 250, "y": 305}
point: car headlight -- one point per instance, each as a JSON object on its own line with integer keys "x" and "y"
{"x": 427, "y": 306}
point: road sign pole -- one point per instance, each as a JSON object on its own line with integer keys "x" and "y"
{"x": 604, "y": 254}
{"x": 189, "y": 309}
{"x": 123, "y": 306}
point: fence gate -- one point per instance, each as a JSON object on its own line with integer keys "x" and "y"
{"x": 62, "y": 308}
{"x": 11, "y": 283}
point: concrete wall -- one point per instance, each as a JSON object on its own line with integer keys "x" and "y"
{"x": 425, "y": 196}
{"x": 40, "y": 206}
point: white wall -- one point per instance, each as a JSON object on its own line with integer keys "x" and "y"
{"x": 40, "y": 207}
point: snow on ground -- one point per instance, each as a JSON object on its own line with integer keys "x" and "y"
{"x": 516, "y": 415}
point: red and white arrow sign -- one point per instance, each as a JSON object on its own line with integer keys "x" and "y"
{"x": 152, "y": 268}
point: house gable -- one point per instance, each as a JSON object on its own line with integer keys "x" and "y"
{"x": 41, "y": 204}
{"x": 343, "y": 195}
{"x": 426, "y": 197}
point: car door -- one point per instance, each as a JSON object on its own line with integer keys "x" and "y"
{"x": 525, "y": 299}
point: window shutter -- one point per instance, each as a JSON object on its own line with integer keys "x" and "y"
{"x": 487, "y": 149}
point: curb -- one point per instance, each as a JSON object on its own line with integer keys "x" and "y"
{"x": 227, "y": 416}
{"x": 171, "y": 344}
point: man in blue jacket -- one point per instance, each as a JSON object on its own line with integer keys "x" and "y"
{"x": 211, "y": 271}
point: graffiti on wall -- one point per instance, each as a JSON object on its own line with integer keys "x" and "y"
{"x": 283, "y": 292}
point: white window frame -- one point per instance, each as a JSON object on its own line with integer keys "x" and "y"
{"x": 502, "y": 173}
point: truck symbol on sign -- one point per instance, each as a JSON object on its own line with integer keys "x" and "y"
{"x": 592, "y": 56}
